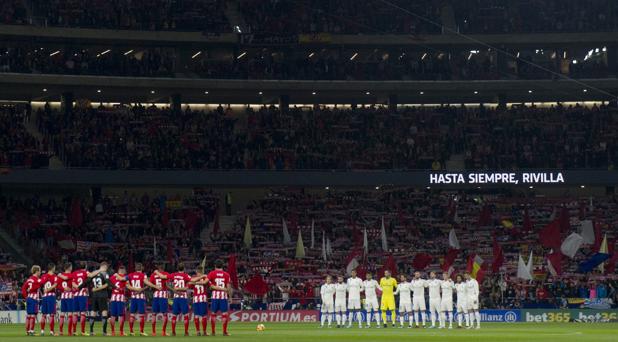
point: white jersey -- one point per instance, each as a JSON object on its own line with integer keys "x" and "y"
{"x": 355, "y": 286}
{"x": 403, "y": 290}
{"x": 434, "y": 288}
{"x": 340, "y": 292}
{"x": 327, "y": 291}
{"x": 370, "y": 287}
{"x": 461, "y": 292}
{"x": 418, "y": 287}
{"x": 472, "y": 288}
{"x": 447, "y": 289}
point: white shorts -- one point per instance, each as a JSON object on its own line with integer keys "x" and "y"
{"x": 446, "y": 304}
{"x": 473, "y": 304}
{"x": 328, "y": 307}
{"x": 405, "y": 306}
{"x": 371, "y": 304}
{"x": 419, "y": 304}
{"x": 340, "y": 306}
{"x": 434, "y": 304}
{"x": 462, "y": 306}
{"x": 354, "y": 303}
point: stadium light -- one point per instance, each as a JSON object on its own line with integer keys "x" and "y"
{"x": 313, "y": 93}
{"x": 242, "y": 55}
{"x": 575, "y": 61}
{"x": 421, "y": 92}
{"x": 152, "y": 91}
{"x": 529, "y": 91}
{"x": 98, "y": 90}
{"x": 585, "y": 90}
{"x": 44, "y": 90}
{"x": 104, "y": 52}
{"x": 128, "y": 52}
{"x": 54, "y": 53}
{"x": 354, "y": 56}
{"x": 206, "y": 92}
{"x": 196, "y": 54}
{"x": 476, "y": 92}
{"x": 311, "y": 54}
{"x": 367, "y": 93}
{"x": 531, "y": 187}
{"x": 377, "y": 188}
{"x": 327, "y": 188}
{"x": 260, "y": 93}
{"x": 582, "y": 186}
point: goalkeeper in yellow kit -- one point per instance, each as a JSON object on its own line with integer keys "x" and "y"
{"x": 388, "y": 285}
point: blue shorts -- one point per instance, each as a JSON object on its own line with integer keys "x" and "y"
{"x": 80, "y": 304}
{"x": 32, "y": 306}
{"x": 48, "y": 305}
{"x": 180, "y": 306}
{"x": 138, "y": 306}
{"x": 218, "y": 305}
{"x": 66, "y": 305}
{"x": 159, "y": 305}
{"x": 200, "y": 309}
{"x": 116, "y": 309}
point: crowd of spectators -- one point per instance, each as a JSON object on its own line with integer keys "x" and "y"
{"x": 535, "y": 16}
{"x": 286, "y": 17}
{"x": 340, "y": 17}
{"x": 365, "y": 137}
{"x": 19, "y": 148}
{"x": 72, "y": 61}
{"x": 304, "y": 64}
{"x": 139, "y": 227}
{"x": 187, "y": 15}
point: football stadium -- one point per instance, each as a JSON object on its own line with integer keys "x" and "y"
{"x": 302, "y": 170}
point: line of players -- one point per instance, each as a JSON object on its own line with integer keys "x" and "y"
{"x": 411, "y": 300}
{"x": 76, "y": 287}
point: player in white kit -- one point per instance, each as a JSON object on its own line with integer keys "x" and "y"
{"x": 372, "y": 309}
{"x": 405, "y": 301}
{"x": 355, "y": 286}
{"x": 446, "y": 305}
{"x": 462, "y": 307}
{"x": 472, "y": 292}
{"x": 341, "y": 290}
{"x": 434, "y": 298}
{"x": 327, "y": 293}
{"x": 418, "y": 300}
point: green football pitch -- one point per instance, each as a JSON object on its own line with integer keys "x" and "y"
{"x": 299, "y": 332}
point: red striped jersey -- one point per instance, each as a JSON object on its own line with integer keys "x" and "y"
{"x": 119, "y": 287}
{"x": 178, "y": 280}
{"x": 199, "y": 293}
{"x": 31, "y": 286}
{"x": 62, "y": 284}
{"x": 136, "y": 279}
{"x": 79, "y": 277}
{"x": 155, "y": 279}
{"x": 47, "y": 281}
{"x": 218, "y": 278}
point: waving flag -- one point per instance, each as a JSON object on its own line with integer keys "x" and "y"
{"x": 554, "y": 263}
{"x": 498, "y": 256}
{"x": 571, "y": 245}
{"x": 286, "y": 234}
{"x": 453, "y": 242}
{"x": 365, "y": 242}
{"x": 312, "y": 233}
{"x": 324, "y": 257}
{"x": 421, "y": 261}
{"x": 550, "y": 235}
{"x": 523, "y": 272}
{"x": 300, "y": 247}
{"x": 587, "y": 231}
{"x": 383, "y": 236}
{"x": 248, "y": 238}
{"x": 597, "y": 259}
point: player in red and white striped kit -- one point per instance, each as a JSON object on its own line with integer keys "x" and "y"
{"x": 65, "y": 286}
{"x": 159, "y": 298}
{"x": 118, "y": 300}
{"x": 49, "y": 282}
{"x": 137, "y": 282}
{"x": 221, "y": 288}
{"x": 200, "y": 303}
{"x": 30, "y": 291}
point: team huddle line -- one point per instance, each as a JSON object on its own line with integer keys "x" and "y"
{"x": 76, "y": 287}
{"x": 411, "y": 300}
